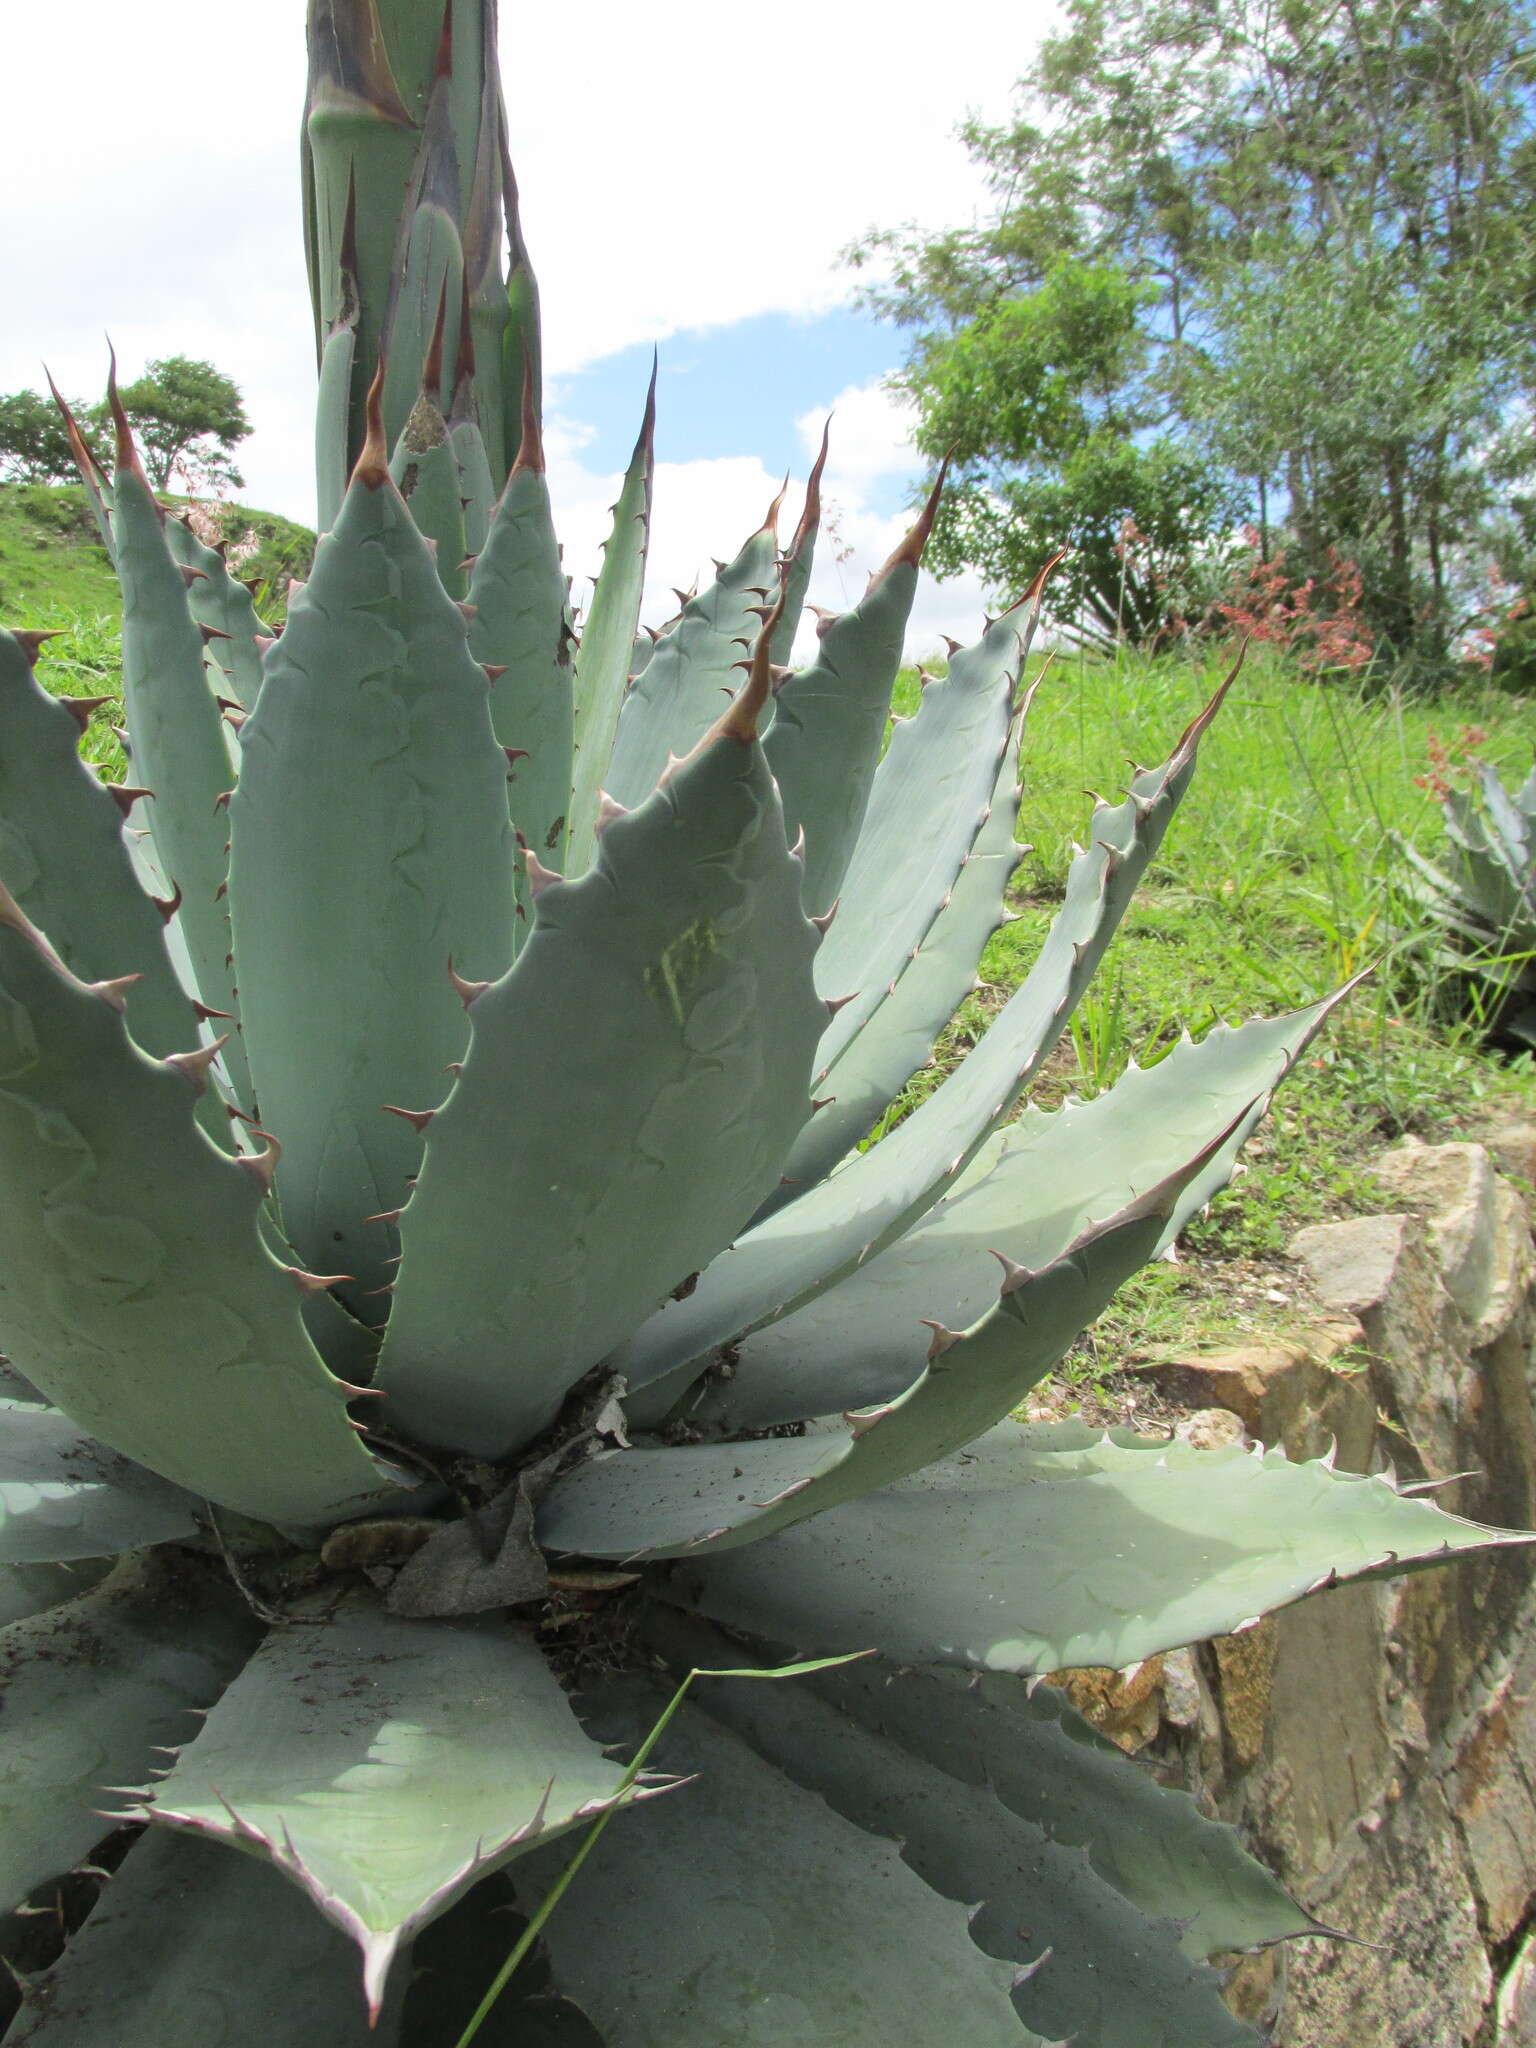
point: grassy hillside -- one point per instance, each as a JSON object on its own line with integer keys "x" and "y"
{"x": 53, "y": 566}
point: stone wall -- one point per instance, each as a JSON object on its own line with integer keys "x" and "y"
{"x": 1377, "y": 1744}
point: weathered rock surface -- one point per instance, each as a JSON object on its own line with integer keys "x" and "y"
{"x": 1377, "y": 1743}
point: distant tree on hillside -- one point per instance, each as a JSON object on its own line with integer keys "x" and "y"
{"x": 187, "y": 416}
{"x": 34, "y": 448}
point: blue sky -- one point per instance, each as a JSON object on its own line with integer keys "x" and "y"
{"x": 734, "y": 390}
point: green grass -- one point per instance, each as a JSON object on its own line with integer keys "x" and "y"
{"x": 54, "y": 569}
{"x": 1278, "y": 879}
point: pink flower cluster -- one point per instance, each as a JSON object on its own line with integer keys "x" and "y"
{"x": 1318, "y": 623}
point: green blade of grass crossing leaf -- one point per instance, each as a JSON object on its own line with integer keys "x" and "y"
{"x": 589, "y": 1841}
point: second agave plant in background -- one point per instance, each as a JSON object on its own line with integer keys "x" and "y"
{"x": 499, "y": 1319}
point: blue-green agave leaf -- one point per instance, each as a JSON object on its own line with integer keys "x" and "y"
{"x": 135, "y": 1291}
{"x": 225, "y": 612}
{"x": 693, "y": 670}
{"x": 1030, "y": 1191}
{"x": 369, "y": 762}
{"x": 799, "y": 562}
{"x": 741, "y": 1907}
{"x": 864, "y": 1074}
{"x": 385, "y": 1765}
{"x": 426, "y": 472}
{"x": 64, "y": 858}
{"x": 177, "y": 738}
{"x": 1094, "y": 1968}
{"x": 983, "y": 1560}
{"x": 607, "y": 638}
{"x": 63, "y": 1496}
{"x": 943, "y": 765}
{"x": 1050, "y": 1766}
{"x": 668, "y": 993}
{"x": 668, "y": 1502}
{"x": 93, "y": 1690}
{"x": 191, "y": 1946}
{"x": 521, "y": 632}
{"x": 477, "y": 488}
{"x": 807, "y": 1247}
{"x": 829, "y": 720}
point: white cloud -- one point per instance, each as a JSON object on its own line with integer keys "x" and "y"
{"x": 677, "y": 172}
{"x": 705, "y": 509}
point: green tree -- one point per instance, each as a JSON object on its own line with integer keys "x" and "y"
{"x": 188, "y": 417}
{"x": 34, "y": 448}
{"x": 1328, "y": 209}
{"x": 1042, "y": 403}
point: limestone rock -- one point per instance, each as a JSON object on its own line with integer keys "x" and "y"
{"x": 1429, "y": 1983}
{"x": 1211, "y": 1429}
{"x": 1492, "y": 1791}
{"x": 1306, "y": 1393}
{"x": 1379, "y": 1269}
{"x": 1476, "y": 1227}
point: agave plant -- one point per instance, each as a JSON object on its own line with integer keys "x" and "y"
{"x": 1487, "y": 902}
{"x": 498, "y": 1317}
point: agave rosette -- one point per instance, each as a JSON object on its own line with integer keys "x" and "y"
{"x": 447, "y": 1298}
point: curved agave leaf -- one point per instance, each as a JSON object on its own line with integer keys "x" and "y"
{"x": 190, "y": 1946}
{"x": 987, "y": 1560}
{"x": 829, "y": 721}
{"x": 800, "y": 561}
{"x": 224, "y": 610}
{"x": 477, "y": 488}
{"x": 1046, "y": 1763}
{"x": 92, "y": 1690}
{"x": 176, "y": 736}
{"x": 1095, "y": 1968}
{"x": 693, "y": 670}
{"x": 943, "y": 766}
{"x": 522, "y": 627}
{"x": 607, "y": 638}
{"x": 714, "y": 1496}
{"x": 426, "y": 284}
{"x": 63, "y": 1496}
{"x": 669, "y": 993}
{"x": 425, "y": 469}
{"x": 742, "y": 1907}
{"x": 135, "y": 1288}
{"x": 809, "y": 1246}
{"x": 864, "y": 1075}
{"x": 369, "y": 760}
{"x": 1032, "y": 1190}
{"x": 385, "y": 1765}
{"x": 64, "y": 858}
